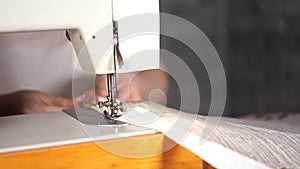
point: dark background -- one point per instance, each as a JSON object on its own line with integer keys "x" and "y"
{"x": 259, "y": 44}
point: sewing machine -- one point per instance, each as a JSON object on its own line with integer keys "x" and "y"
{"x": 98, "y": 30}
{"x": 107, "y": 41}
{"x": 102, "y": 44}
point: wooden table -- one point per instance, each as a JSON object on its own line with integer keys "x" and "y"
{"x": 69, "y": 148}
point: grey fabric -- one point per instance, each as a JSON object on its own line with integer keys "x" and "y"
{"x": 275, "y": 144}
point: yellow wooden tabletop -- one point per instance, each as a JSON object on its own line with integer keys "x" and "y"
{"x": 145, "y": 152}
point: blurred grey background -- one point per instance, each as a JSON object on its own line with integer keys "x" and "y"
{"x": 259, "y": 44}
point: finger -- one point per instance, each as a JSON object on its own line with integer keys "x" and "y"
{"x": 123, "y": 94}
{"x": 90, "y": 94}
{"x": 135, "y": 96}
{"x": 130, "y": 97}
{"x": 100, "y": 90}
{"x": 54, "y": 108}
{"x": 62, "y": 102}
{"x": 100, "y": 84}
{"x": 102, "y": 93}
{"x": 100, "y": 78}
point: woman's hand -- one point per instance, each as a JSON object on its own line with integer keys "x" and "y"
{"x": 27, "y": 101}
{"x": 133, "y": 87}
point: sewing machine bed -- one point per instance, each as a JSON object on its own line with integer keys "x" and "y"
{"x": 58, "y": 140}
{"x": 25, "y": 132}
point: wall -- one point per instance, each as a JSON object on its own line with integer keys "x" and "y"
{"x": 264, "y": 55}
{"x": 258, "y": 42}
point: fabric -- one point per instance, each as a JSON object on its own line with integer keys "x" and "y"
{"x": 223, "y": 142}
{"x": 41, "y": 61}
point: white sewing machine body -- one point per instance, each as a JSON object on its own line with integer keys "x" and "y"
{"x": 90, "y": 27}
{"x": 84, "y": 20}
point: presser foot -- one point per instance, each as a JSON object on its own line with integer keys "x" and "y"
{"x": 111, "y": 110}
